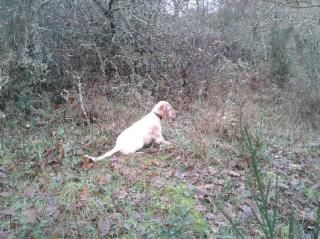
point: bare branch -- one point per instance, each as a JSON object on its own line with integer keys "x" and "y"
{"x": 78, "y": 77}
{"x": 295, "y": 4}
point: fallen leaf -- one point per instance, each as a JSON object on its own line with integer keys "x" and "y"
{"x": 239, "y": 164}
{"x": 54, "y": 210}
{"x": 3, "y": 175}
{"x": 244, "y": 213}
{"x": 214, "y": 227}
{"x": 104, "y": 179}
{"x": 13, "y": 225}
{"x": 5, "y": 194}
{"x": 84, "y": 195}
{"x": 295, "y": 166}
{"x": 159, "y": 183}
{"x": 114, "y": 164}
{"x": 59, "y": 149}
{"x": 210, "y": 216}
{"x": 168, "y": 173}
{"x": 153, "y": 176}
{"x": 3, "y": 235}
{"x": 48, "y": 154}
{"x": 120, "y": 194}
{"x": 202, "y": 191}
{"x": 87, "y": 163}
{"x": 79, "y": 152}
{"x": 85, "y": 146}
{"x": 8, "y": 212}
{"x": 30, "y": 215}
{"x": 233, "y": 174}
{"x": 29, "y": 192}
{"x": 307, "y": 217}
{"x": 294, "y": 182}
{"x": 57, "y": 234}
{"x": 283, "y": 185}
{"x": 212, "y": 170}
{"x": 104, "y": 226}
{"x": 200, "y": 208}
{"x": 53, "y": 132}
{"x": 138, "y": 198}
{"x": 155, "y": 163}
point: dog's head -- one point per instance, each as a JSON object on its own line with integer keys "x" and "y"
{"x": 164, "y": 110}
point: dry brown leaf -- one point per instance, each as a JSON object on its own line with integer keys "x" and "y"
{"x": 155, "y": 162}
{"x": 138, "y": 198}
{"x": 29, "y": 192}
{"x": 5, "y": 194}
{"x": 104, "y": 226}
{"x": 104, "y": 179}
{"x": 8, "y": 212}
{"x": 168, "y": 173}
{"x": 115, "y": 165}
{"x": 53, "y": 132}
{"x": 54, "y": 210}
{"x": 87, "y": 163}
{"x": 201, "y": 208}
{"x": 79, "y": 152}
{"x": 30, "y": 215}
{"x": 212, "y": 170}
{"x": 59, "y": 149}
{"x": 3, "y": 235}
{"x": 202, "y": 191}
{"x": 153, "y": 176}
{"x": 48, "y": 154}
{"x": 233, "y": 174}
{"x": 307, "y": 217}
{"x": 13, "y": 225}
{"x": 84, "y": 195}
{"x": 244, "y": 213}
{"x": 55, "y": 155}
{"x": 120, "y": 195}
{"x": 220, "y": 182}
{"x": 214, "y": 227}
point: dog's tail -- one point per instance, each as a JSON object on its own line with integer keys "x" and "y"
{"x": 105, "y": 155}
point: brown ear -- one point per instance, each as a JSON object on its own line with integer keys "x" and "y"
{"x": 163, "y": 111}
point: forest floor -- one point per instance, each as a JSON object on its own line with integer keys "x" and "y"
{"x": 185, "y": 190}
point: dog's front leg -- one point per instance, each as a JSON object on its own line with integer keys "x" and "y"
{"x": 161, "y": 140}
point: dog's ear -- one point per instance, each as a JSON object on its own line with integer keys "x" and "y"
{"x": 167, "y": 112}
{"x": 163, "y": 111}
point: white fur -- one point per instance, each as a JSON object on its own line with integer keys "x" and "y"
{"x": 143, "y": 132}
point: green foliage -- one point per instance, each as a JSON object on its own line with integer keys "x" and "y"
{"x": 260, "y": 192}
{"x": 317, "y": 230}
{"x": 263, "y": 196}
{"x": 291, "y": 225}
{"x": 182, "y": 220}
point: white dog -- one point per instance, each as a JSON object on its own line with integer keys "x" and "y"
{"x": 143, "y": 132}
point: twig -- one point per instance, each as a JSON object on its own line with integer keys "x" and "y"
{"x": 81, "y": 102}
{"x": 296, "y": 5}
{"x": 78, "y": 77}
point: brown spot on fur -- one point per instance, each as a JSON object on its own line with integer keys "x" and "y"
{"x": 164, "y": 111}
